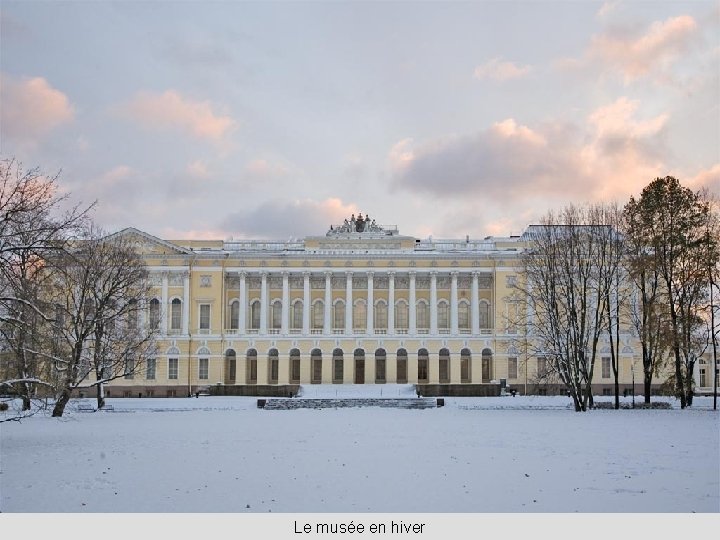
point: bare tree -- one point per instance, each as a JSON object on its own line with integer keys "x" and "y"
{"x": 33, "y": 229}
{"x": 103, "y": 285}
{"x": 564, "y": 296}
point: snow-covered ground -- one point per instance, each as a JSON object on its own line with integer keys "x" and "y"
{"x": 477, "y": 455}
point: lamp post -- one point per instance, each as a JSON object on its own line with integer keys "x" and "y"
{"x": 632, "y": 371}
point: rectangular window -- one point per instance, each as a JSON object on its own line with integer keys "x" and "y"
{"x": 339, "y": 318}
{"x": 541, "y": 367}
{"x": 232, "y": 369}
{"x": 443, "y": 312}
{"x": 484, "y": 315}
{"x": 318, "y": 315}
{"x": 702, "y": 377}
{"x": 204, "y": 316}
{"x": 203, "y": 369}
{"x": 463, "y": 317}
{"x": 464, "y": 368}
{"x": 252, "y": 370}
{"x": 444, "y": 369}
{"x": 150, "y": 369}
{"x": 401, "y": 316}
{"x": 512, "y": 368}
{"x": 274, "y": 364}
{"x": 172, "y": 368}
{"x": 130, "y": 368}
{"x": 175, "y": 314}
{"x": 316, "y": 371}
{"x": 295, "y": 370}
{"x": 605, "y": 367}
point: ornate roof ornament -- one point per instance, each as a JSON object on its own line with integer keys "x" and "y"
{"x": 357, "y": 224}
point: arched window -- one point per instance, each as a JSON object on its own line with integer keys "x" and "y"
{"x": 318, "y": 315}
{"x": 176, "y": 314}
{"x": 443, "y": 315}
{"x": 155, "y": 314}
{"x": 444, "y": 366}
{"x": 251, "y": 370}
{"x": 402, "y": 362}
{"x": 255, "y": 315}
{"x": 360, "y": 316}
{"x": 464, "y": 316}
{"x": 297, "y": 315}
{"x": 315, "y": 366}
{"x": 486, "y": 365}
{"x": 338, "y": 367}
{"x": 465, "y": 366}
{"x": 273, "y": 365}
{"x": 484, "y": 315}
{"x": 277, "y": 315}
{"x": 381, "y": 315}
{"x": 230, "y": 366}
{"x": 401, "y": 316}
{"x": 380, "y": 363}
{"x": 423, "y": 366}
{"x": 339, "y": 315}
{"x": 359, "y": 356}
{"x": 294, "y": 366}
{"x": 422, "y": 319}
{"x": 235, "y": 315}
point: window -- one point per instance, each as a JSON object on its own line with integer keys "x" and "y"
{"x": 422, "y": 366}
{"x": 360, "y": 315}
{"x": 154, "y": 314}
{"x": 464, "y": 316}
{"x": 487, "y": 370}
{"x": 277, "y": 314}
{"x": 444, "y": 366}
{"x": 235, "y": 315}
{"x": 605, "y": 367}
{"x": 541, "y": 367}
{"x": 381, "y": 316}
{"x": 205, "y": 317}
{"x": 422, "y": 319}
{"x": 273, "y": 366}
{"x": 297, "y": 315}
{"x": 318, "y": 315}
{"x": 339, "y": 315}
{"x": 150, "y": 369}
{"x": 484, "y": 315}
{"x": 402, "y": 366}
{"x": 172, "y": 368}
{"x": 203, "y": 369}
{"x": 465, "y": 366}
{"x": 175, "y": 314}
{"x": 337, "y": 366}
{"x": 443, "y": 316}
{"x": 251, "y": 370}
{"x": 294, "y": 366}
{"x": 401, "y": 315}
{"x": 316, "y": 366}
{"x": 255, "y": 315}
{"x": 380, "y": 362}
{"x": 703, "y": 382}
{"x": 512, "y": 368}
{"x": 230, "y": 366}
{"x": 132, "y": 314}
{"x": 129, "y": 368}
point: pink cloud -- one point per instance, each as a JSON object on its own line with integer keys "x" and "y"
{"x": 170, "y": 110}
{"x": 500, "y": 70}
{"x": 707, "y": 178}
{"x": 31, "y": 108}
{"x": 654, "y": 51}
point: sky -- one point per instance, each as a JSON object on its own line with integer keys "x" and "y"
{"x": 274, "y": 120}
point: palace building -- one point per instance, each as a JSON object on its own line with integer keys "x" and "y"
{"x": 361, "y": 304}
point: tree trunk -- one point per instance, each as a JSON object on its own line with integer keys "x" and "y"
{"x": 100, "y": 396}
{"x": 647, "y": 383}
{"x": 26, "y": 403}
{"x": 59, "y": 408}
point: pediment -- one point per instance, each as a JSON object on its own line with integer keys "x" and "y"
{"x": 147, "y": 244}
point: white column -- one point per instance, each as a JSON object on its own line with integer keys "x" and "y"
{"x": 453, "y": 304}
{"x": 306, "y": 303}
{"x": 327, "y": 323}
{"x": 391, "y": 303}
{"x": 164, "y": 306}
{"x": 348, "y": 303}
{"x": 475, "y": 300}
{"x": 285, "y": 304}
{"x": 412, "y": 311}
{"x": 371, "y": 304}
{"x": 263, "y": 303}
{"x": 242, "y": 308}
{"x": 186, "y": 303}
{"x": 433, "y": 303}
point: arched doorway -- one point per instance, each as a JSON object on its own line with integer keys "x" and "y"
{"x": 359, "y": 366}
{"x": 273, "y": 366}
{"x": 423, "y": 366}
{"x": 444, "y": 366}
{"x": 294, "y": 366}
{"x": 486, "y": 365}
{"x": 465, "y": 366}
{"x": 402, "y": 366}
{"x": 230, "y": 366}
{"x": 380, "y": 366}
{"x": 337, "y": 364}
{"x": 315, "y": 366}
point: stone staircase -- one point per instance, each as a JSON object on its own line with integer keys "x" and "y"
{"x": 286, "y": 404}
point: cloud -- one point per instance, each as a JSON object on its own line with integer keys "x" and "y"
{"x": 633, "y": 56}
{"x": 501, "y": 70}
{"x": 708, "y": 179}
{"x": 613, "y": 153}
{"x": 31, "y": 108}
{"x": 279, "y": 219}
{"x": 170, "y": 110}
